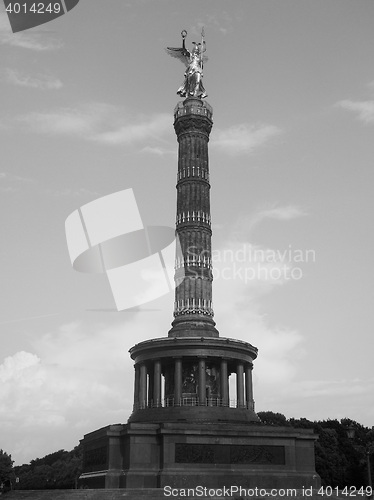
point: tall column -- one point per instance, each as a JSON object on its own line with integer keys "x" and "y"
{"x": 157, "y": 383}
{"x": 193, "y": 276}
{"x": 249, "y": 387}
{"x": 143, "y": 386}
{"x": 136, "y": 387}
{"x": 177, "y": 382}
{"x": 202, "y": 382}
{"x": 224, "y": 383}
{"x": 240, "y": 385}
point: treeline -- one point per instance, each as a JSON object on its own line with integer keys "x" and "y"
{"x": 340, "y": 460}
{"x": 58, "y": 470}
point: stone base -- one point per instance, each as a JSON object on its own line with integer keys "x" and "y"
{"x": 187, "y": 455}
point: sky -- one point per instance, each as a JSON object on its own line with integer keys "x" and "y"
{"x": 87, "y": 106}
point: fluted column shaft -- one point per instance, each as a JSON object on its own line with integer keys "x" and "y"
{"x": 143, "y": 386}
{"x": 177, "y": 382}
{"x": 193, "y": 277}
{"x": 249, "y": 387}
{"x": 136, "y": 385}
{"x": 157, "y": 383}
{"x": 202, "y": 382}
{"x": 150, "y": 387}
{"x": 240, "y": 385}
{"x": 224, "y": 383}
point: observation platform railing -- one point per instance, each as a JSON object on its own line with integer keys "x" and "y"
{"x": 192, "y": 401}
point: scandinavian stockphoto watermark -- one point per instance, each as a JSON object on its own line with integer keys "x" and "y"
{"x": 248, "y": 263}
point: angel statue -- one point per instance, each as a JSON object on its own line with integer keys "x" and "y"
{"x": 193, "y": 85}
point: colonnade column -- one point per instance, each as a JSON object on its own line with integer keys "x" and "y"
{"x": 143, "y": 386}
{"x": 240, "y": 385}
{"x": 202, "y": 382}
{"x": 157, "y": 383}
{"x": 136, "y": 387}
{"x": 178, "y": 382}
{"x": 224, "y": 383}
{"x": 249, "y": 387}
{"x": 150, "y": 387}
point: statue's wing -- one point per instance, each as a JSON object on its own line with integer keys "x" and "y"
{"x": 181, "y": 54}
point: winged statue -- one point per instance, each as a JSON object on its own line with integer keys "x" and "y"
{"x": 194, "y": 61}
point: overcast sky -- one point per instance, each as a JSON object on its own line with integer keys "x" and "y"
{"x": 87, "y": 110}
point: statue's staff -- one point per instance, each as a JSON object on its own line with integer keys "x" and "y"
{"x": 202, "y": 47}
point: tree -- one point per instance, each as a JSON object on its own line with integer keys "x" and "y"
{"x": 6, "y": 468}
{"x": 271, "y": 418}
{"x": 340, "y": 461}
{"x": 60, "y": 469}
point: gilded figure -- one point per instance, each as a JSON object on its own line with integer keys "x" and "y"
{"x": 194, "y": 61}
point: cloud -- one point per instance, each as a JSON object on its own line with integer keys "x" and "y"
{"x": 67, "y": 121}
{"x": 284, "y": 213}
{"x": 331, "y": 388}
{"x": 239, "y": 314}
{"x": 221, "y": 22}
{"x": 37, "y": 41}
{"x": 257, "y": 268}
{"x": 22, "y": 367}
{"x": 364, "y": 109}
{"x": 42, "y": 82}
{"x": 99, "y": 122}
{"x": 147, "y": 128}
{"x": 281, "y": 213}
{"x": 10, "y": 183}
{"x": 244, "y": 138}
{"x": 243, "y": 273}
{"x": 284, "y": 378}
{"x": 9, "y": 189}
{"x": 248, "y": 223}
{"x": 67, "y": 378}
{"x": 158, "y": 151}
{"x": 15, "y": 178}
{"x": 74, "y": 193}
{"x": 74, "y": 379}
{"x": 323, "y": 399}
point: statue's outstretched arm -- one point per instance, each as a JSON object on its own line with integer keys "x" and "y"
{"x": 181, "y": 53}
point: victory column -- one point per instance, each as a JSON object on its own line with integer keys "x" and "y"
{"x": 187, "y": 429}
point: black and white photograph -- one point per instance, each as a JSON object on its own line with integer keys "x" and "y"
{"x": 186, "y": 193}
